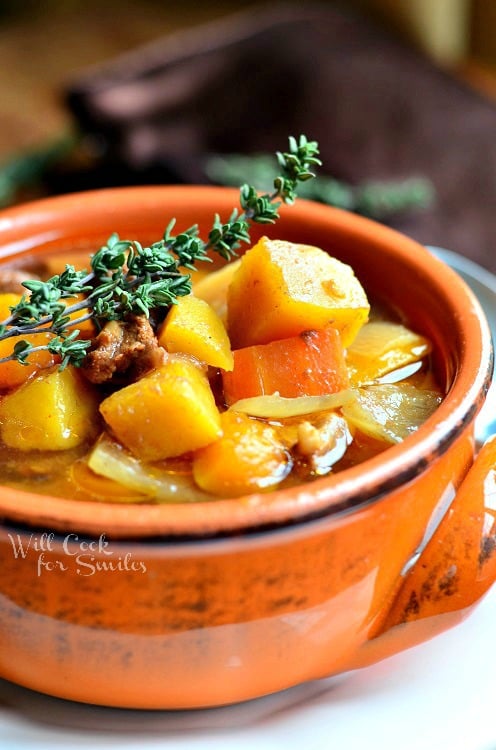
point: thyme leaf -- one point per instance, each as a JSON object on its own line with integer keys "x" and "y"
{"x": 382, "y": 200}
{"x": 126, "y": 278}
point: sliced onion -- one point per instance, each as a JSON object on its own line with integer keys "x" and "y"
{"x": 109, "y": 459}
{"x": 390, "y": 412}
{"x": 102, "y": 488}
{"x": 278, "y": 407}
{"x": 395, "y": 376}
{"x": 380, "y": 348}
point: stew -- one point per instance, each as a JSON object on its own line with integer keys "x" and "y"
{"x": 274, "y": 371}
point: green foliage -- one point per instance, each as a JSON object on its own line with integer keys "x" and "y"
{"x": 25, "y": 170}
{"x": 126, "y": 278}
{"x": 377, "y": 199}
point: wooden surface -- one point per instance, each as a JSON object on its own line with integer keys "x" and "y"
{"x": 43, "y": 45}
{"x": 419, "y": 119}
{"x": 41, "y": 48}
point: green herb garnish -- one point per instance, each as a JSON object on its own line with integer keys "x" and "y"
{"x": 24, "y": 171}
{"x": 376, "y": 199}
{"x": 126, "y": 278}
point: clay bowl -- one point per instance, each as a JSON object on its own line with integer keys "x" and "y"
{"x": 181, "y": 606}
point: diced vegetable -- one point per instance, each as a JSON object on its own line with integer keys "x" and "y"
{"x": 402, "y": 373}
{"x": 310, "y": 388}
{"x": 381, "y": 347}
{"x": 213, "y": 287}
{"x": 311, "y": 364}
{"x": 99, "y": 487}
{"x": 390, "y": 412}
{"x": 13, "y": 373}
{"x": 282, "y": 289}
{"x": 108, "y": 459}
{"x": 54, "y": 411}
{"x": 167, "y": 413}
{"x": 278, "y": 407}
{"x": 56, "y": 263}
{"x": 247, "y": 458}
{"x": 193, "y": 327}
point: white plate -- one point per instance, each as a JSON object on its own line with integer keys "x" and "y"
{"x": 437, "y": 696}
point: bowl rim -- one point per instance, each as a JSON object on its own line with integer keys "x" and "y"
{"x": 25, "y": 226}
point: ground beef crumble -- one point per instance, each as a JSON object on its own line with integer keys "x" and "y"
{"x": 123, "y": 350}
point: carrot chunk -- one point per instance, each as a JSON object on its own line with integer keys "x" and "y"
{"x": 311, "y": 364}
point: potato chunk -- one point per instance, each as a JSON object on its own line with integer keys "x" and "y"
{"x": 193, "y": 327}
{"x": 282, "y": 289}
{"x": 53, "y": 411}
{"x": 167, "y": 413}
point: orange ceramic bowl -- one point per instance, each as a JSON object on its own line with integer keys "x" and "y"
{"x": 181, "y": 606}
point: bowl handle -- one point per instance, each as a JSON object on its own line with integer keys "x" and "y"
{"x": 454, "y": 571}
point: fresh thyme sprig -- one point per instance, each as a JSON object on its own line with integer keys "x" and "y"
{"x": 382, "y": 200}
{"x": 126, "y": 278}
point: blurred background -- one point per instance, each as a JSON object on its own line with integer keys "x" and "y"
{"x": 401, "y": 95}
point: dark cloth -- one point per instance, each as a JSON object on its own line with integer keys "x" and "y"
{"x": 378, "y": 109}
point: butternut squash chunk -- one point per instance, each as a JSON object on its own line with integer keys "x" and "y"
{"x": 167, "y": 413}
{"x": 193, "y": 327}
{"x": 53, "y": 411}
{"x": 282, "y": 289}
{"x": 13, "y": 373}
{"x": 213, "y": 287}
{"x": 248, "y": 457}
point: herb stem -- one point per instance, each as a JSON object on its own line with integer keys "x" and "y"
{"x": 127, "y": 278}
